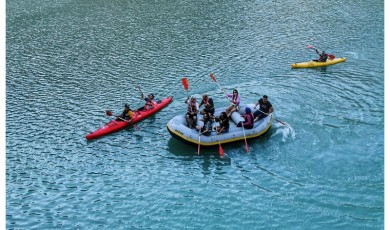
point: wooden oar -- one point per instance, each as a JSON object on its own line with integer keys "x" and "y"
{"x": 215, "y": 80}
{"x": 199, "y": 142}
{"x": 273, "y": 117}
{"x": 246, "y": 144}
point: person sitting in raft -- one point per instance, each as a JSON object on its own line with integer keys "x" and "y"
{"x": 249, "y": 119}
{"x": 192, "y": 112}
{"x": 208, "y": 105}
{"x": 264, "y": 110}
{"x": 223, "y": 123}
{"x": 323, "y": 56}
{"x": 126, "y": 115}
{"x": 235, "y": 102}
{"x": 150, "y": 102}
{"x": 207, "y": 125}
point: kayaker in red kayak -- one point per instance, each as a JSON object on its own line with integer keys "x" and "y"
{"x": 150, "y": 102}
{"x": 127, "y": 114}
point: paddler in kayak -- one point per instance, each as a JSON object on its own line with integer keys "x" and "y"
{"x": 127, "y": 114}
{"x": 150, "y": 102}
{"x": 323, "y": 56}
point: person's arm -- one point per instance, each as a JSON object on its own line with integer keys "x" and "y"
{"x": 246, "y": 120}
{"x": 271, "y": 110}
{"x": 220, "y": 129}
{"x": 229, "y": 96}
{"x": 201, "y": 103}
{"x": 238, "y": 100}
{"x": 211, "y": 102}
{"x": 130, "y": 114}
{"x": 257, "y": 103}
{"x": 196, "y": 107}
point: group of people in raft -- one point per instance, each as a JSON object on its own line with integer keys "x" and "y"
{"x": 208, "y": 112}
{"x": 223, "y": 119}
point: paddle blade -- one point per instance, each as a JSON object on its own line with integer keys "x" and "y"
{"x": 331, "y": 56}
{"x": 310, "y": 47}
{"x": 185, "y": 83}
{"x": 220, "y": 150}
{"x": 108, "y": 113}
{"x": 213, "y": 77}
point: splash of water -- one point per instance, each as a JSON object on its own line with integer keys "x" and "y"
{"x": 286, "y": 131}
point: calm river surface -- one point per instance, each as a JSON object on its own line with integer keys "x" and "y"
{"x": 69, "y": 61}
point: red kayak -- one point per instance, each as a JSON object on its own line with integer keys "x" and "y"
{"x": 139, "y": 115}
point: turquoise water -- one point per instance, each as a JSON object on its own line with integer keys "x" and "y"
{"x": 69, "y": 61}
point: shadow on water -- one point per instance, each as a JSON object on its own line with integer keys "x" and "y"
{"x": 318, "y": 69}
{"x": 208, "y": 157}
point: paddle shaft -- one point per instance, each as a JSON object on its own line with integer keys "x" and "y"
{"x": 215, "y": 80}
{"x": 246, "y": 143}
{"x": 272, "y": 117}
{"x": 199, "y": 142}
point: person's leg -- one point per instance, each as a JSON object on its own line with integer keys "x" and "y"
{"x": 261, "y": 116}
{"x": 188, "y": 120}
{"x": 228, "y": 109}
{"x": 194, "y": 119}
{"x": 234, "y": 108}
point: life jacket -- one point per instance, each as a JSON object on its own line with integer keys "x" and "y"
{"x": 192, "y": 107}
{"x": 323, "y": 57}
{"x": 149, "y": 104}
{"x": 127, "y": 115}
{"x": 249, "y": 118}
{"x": 205, "y": 102}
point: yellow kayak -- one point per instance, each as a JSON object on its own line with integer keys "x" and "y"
{"x": 311, "y": 64}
